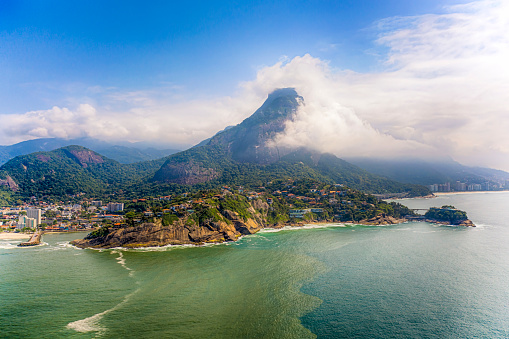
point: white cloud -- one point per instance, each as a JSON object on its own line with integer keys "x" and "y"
{"x": 444, "y": 90}
{"x": 154, "y": 115}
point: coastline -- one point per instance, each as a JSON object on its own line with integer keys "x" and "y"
{"x": 468, "y": 192}
{"x": 147, "y": 242}
{"x": 438, "y": 194}
{"x": 14, "y": 236}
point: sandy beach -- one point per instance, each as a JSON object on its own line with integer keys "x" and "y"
{"x": 468, "y": 192}
{"x": 13, "y": 236}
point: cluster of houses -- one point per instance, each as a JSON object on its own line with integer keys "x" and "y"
{"x": 58, "y": 217}
{"x": 90, "y": 213}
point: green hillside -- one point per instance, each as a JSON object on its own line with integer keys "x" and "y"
{"x": 71, "y": 170}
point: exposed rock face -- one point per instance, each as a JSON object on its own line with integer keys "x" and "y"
{"x": 43, "y": 158}
{"x": 184, "y": 231}
{"x": 9, "y": 182}
{"x": 189, "y": 173}
{"x": 382, "y": 219}
{"x": 252, "y": 140}
{"x": 85, "y": 156}
{"x": 467, "y": 223}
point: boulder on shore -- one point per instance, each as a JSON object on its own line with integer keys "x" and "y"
{"x": 467, "y": 223}
{"x": 382, "y": 219}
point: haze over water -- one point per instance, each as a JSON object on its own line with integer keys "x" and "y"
{"x": 409, "y": 280}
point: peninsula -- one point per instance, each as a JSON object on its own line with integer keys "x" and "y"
{"x": 216, "y": 216}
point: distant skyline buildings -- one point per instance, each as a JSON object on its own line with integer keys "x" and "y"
{"x": 462, "y": 187}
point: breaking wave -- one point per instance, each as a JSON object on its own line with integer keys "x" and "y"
{"x": 91, "y": 324}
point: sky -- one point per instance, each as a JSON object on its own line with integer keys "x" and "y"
{"x": 379, "y": 78}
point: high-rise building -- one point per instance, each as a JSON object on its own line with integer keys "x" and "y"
{"x": 35, "y": 214}
{"x": 460, "y": 186}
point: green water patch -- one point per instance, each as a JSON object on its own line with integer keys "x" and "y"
{"x": 220, "y": 291}
{"x": 44, "y": 288}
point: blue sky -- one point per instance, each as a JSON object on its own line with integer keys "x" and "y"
{"x": 53, "y": 49}
{"x": 379, "y": 78}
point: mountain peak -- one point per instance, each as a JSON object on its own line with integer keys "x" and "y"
{"x": 248, "y": 141}
{"x": 282, "y": 92}
{"x": 281, "y": 104}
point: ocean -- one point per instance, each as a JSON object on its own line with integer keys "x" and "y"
{"x": 413, "y": 280}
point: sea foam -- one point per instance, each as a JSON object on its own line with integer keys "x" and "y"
{"x": 91, "y": 324}
{"x": 304, "y": 227}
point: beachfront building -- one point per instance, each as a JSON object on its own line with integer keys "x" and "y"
{"x": 35, "y": 213}
{"x": 27, "y": 222}
{"x": 299, "y": 213}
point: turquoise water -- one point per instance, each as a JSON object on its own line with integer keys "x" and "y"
{"x": 414, "y": 280}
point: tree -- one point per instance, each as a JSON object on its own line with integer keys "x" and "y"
{"x": 130, "y": 216}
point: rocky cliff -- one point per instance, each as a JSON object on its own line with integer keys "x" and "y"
{"x": 9, "y": 183}
{"x": 183, "y": 231}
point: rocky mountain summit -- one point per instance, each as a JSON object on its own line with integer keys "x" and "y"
{"x": 247, "y": 152}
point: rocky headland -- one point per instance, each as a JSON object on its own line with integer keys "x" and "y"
{"x": 185, "y": 230}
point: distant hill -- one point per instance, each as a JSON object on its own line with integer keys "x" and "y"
{"x": 428, "y": 172}
{"x": 122, "y": 154}
{"x": 71, "y": 170}
{"x": 243, "y": 155}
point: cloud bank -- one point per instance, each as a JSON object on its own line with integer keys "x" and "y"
{"x": 442, "y": 91}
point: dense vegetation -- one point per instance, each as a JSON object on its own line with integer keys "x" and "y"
{"x": 58, "y": 174}
{"x": 6, "y": 196}
{"x": 299, "y": 164}
{"x": 73, "y": 170}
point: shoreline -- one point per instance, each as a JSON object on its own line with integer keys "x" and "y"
{"x": 14, "y": 236}
{"x": 439, "y": 194}
{"x": 383, "y": 221}
{"x": 376, "y": 222}
{"x": 468, "y": 192}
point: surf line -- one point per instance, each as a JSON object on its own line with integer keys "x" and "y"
{"x": 91, "y": 324}
{"x": 121, "y": 260}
